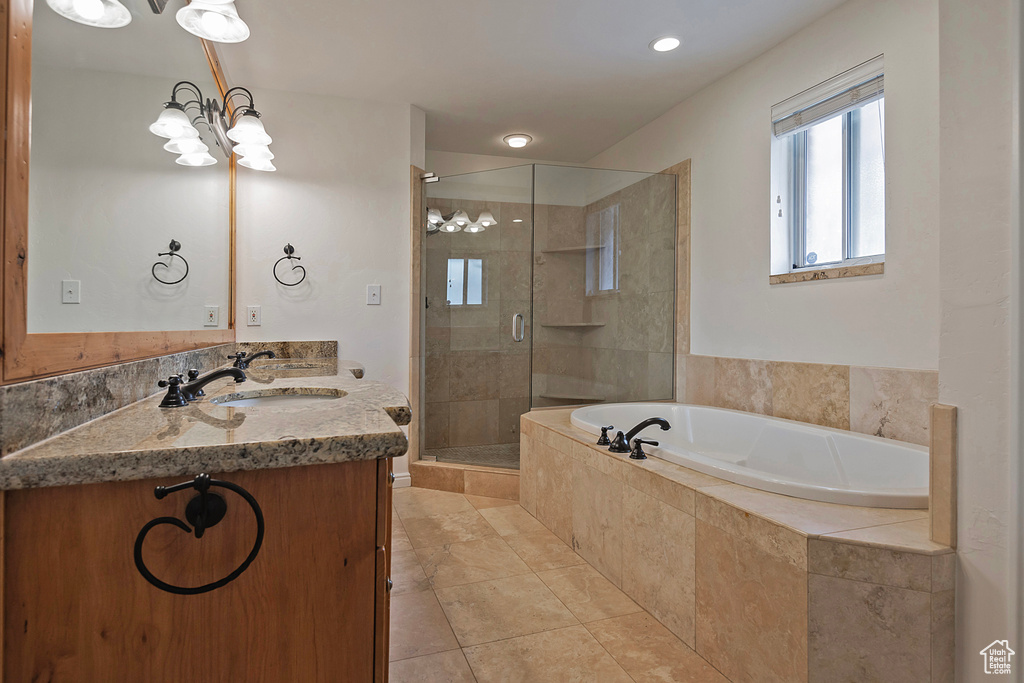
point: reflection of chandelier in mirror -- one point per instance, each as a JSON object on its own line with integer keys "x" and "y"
{"x": 241, "y": 134}
{"x": 215, "y": 20}
{"x": 458, "y": 220}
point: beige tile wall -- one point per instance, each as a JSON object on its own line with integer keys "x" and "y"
{"x": 764, "y": 587}
{"x": 885, "y": 402}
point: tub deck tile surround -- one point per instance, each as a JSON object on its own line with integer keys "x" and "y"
{"x": 763, "y": 586}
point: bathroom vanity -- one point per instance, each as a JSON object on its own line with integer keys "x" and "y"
{"x": 311, "y": 446}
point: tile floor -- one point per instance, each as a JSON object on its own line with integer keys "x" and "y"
{"x": 483, "y": 592}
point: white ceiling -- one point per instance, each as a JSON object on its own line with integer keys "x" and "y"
{"x": 577, "y": 75}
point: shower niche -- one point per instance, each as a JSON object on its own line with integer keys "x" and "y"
{"x": 546, "y": 286}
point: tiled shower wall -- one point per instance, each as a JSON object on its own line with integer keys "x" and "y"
{"x": 629, "y": 358}
{"x": 477, "y": 380}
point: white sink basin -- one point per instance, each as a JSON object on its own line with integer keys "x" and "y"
{"x": 278, "y": 398}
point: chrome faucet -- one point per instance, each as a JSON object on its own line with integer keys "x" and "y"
{"x": 621, "y": 442}
{"x": 242, "y": 359}
{"x": 191, "y": 391}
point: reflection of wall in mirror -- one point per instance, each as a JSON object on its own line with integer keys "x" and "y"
{"x": 105, "y": 198}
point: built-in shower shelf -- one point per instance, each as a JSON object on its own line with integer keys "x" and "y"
{"x": 573, "y": 250}
{"x": 574, "y": 399}
{"x": 573, "y": 325}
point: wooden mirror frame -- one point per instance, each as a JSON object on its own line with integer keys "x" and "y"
{"x": 30, "y": 356}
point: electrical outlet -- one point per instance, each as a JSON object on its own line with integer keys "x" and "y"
{"x": 254, "y": 317}
{"x": 373, "y": 295}
{"x": 212, "y": 318}
{"x": 71, "y": 291}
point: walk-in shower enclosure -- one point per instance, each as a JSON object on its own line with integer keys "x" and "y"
{"x": 568, "y": 298}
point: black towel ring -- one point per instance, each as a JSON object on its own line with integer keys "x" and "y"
{"x": 204, "y": 511}
{"x": 289, "y": 252}
{"x": 174, "y": 246}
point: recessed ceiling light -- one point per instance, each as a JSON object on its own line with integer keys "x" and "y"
{"x": 666, "y": 44}
{"x": 517, "y": 220}
{"x": 517, "y": 140}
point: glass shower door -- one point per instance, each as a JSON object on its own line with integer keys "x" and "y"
{"x": 478, "y": 259}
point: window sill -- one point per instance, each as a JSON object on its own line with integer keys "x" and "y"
{"x": 832, "y": 273}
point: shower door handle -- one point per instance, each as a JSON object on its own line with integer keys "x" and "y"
{"x": 518, "y": 327}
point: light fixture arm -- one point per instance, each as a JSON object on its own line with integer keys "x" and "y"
{"x": 235, "y": 92}
{"x": 190, "y": 86}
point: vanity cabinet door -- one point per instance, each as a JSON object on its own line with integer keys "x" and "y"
{"x": 77, "y": 610}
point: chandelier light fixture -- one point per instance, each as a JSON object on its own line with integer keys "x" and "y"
{"x": 240, "y": 133}
{"x": 213, "y": 20}
{"x": 457, "y": 221}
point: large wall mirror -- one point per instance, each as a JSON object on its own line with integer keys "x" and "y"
{"x": 94, "y": 199}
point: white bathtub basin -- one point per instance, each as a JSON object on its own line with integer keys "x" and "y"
{"x": 771, "y": 454}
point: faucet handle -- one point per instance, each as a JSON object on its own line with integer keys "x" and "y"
{"x": 193, "y": 375}
{"x": 638, "y": 448}
{"x": 604, "y": 441}
{"x": 174, "y": 397}
{"x": 172, "y": 381}
{"x": 240, "y": 354}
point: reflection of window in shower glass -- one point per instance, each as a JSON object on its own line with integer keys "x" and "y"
{"x": 465, "y": 282}
{"x": 603, "y": 251}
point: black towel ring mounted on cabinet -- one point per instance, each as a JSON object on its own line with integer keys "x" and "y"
{"x": 174, "y": 247}
{"x": 204, "y": 511}
{"x": 289, "y": 255}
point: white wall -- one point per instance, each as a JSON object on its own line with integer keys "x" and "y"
{"x": 341, "y": 197}
{"x": 891, "y": 320}
{"x": 105, "y": 198}
{"x": 978, "y": 348}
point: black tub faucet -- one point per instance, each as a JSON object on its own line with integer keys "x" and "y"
{"x": 242, "y": 359}
{"x": 603, "y": 441}
{"x": 622, "y": 441}
{"x": 191, "y": 390}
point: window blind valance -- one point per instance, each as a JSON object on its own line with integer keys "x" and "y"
{"x": 851, "y": 89}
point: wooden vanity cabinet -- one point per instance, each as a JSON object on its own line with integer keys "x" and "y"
{"x": 312, "y": 607}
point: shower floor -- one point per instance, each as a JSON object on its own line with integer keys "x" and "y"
{"x": 504, "y": 455}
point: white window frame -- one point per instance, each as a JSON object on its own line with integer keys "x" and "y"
{"x": 791, "y": 119}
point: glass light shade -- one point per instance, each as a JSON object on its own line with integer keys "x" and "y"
{"x": 257, "y": 164}
{"x": 253, "y": 152}
{"x": 186, "y": 146}
{"x": 461, "y": 218}
{"x": 434, "y": 217}
{"x": 196, "y": 159}
{"x": 173, "y": 123}
{"x": 97, "y": 13}
{"x": 486, "y": 219}
{"x": 475, "y": 227}
{"x": 451, "y": 226}
{"x": 249, "y": 131}
{"x": 213, "y": 20}
{"x": 517, "y": 140}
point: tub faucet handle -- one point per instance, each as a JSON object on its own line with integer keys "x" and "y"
{"x": 638, "y": 448}
{"x": 604, "y": 441}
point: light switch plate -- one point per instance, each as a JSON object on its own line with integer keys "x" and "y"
{"x": 373, "y": 295}
{"x": 254, "y": 317}
{"x": 71, "y": 291}
{"x": 212, "y": 318}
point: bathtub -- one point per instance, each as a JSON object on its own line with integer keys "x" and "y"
{"x": 771, "y": 454}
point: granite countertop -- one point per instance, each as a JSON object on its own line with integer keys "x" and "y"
{"x": 143, "y": 441}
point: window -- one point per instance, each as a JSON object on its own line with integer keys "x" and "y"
{"x": 465, "y": 282}
{"x": 828, "y": 174}
{"x": 603, "y": 251}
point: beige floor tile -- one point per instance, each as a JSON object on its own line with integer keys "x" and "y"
{"x": 568, "y": 655}
{"x": 511, "y": 521}
{"x": 413, "y": 502}
{"x": 399, "y": 538}
{"x": 456, "y": 564}
{"x": 407, "y": 574}
{"x": 456, "y": 527}
{"x": 443, "y": 667}
{"x": 482, "y": 502}
{"x": 650, "y": 653}
{"x": 587, "y": 594}
{"x": 418, "y": 626}
{"x": 504, "y": 608}
{"x": 543, "y": 550}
